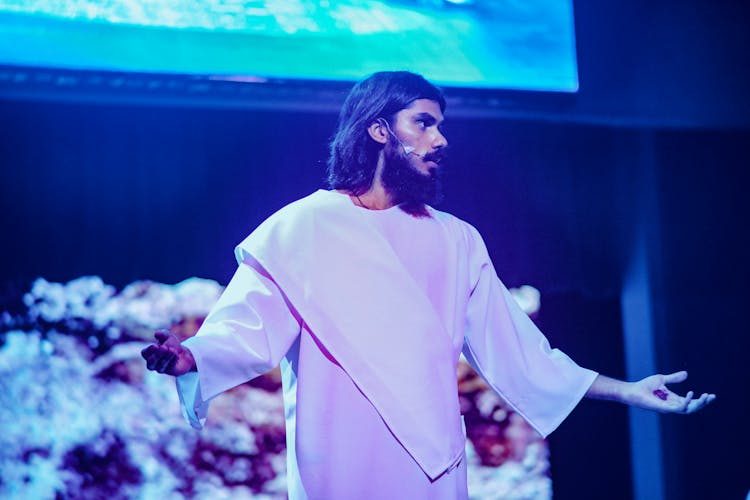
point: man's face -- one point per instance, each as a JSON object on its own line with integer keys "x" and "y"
{"x": 411, "y": 166}
{"x": 418, "y": 126}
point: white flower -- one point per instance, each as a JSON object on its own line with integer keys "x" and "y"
{"x": 46, "y": 301}
{"x": 487, "y": 402}
{"x": 79, "y": 298}
{"x": 196, "y": 296}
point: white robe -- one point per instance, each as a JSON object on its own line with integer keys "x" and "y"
{"x": 368, "y": 312}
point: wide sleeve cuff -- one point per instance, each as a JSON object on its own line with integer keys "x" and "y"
{"x": 194, "y": 409}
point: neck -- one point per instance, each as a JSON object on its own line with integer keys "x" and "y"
{"x": 377, "y": 197}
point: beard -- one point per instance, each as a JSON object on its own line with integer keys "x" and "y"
{"x": 406, "y": 185}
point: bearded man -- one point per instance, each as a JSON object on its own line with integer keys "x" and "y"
{"x": 366, "y": 296}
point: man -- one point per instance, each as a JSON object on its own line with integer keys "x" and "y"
{"x": 367, "y": 295}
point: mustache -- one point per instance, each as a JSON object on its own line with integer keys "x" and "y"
{"x": 437, "y": 156}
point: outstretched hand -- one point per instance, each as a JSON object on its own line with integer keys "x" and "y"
{"x": 167, "y": 355}
{"x": 652, "y": 393}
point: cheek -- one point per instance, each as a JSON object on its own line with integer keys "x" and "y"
{"x": 411, "y": 134}
{"x": 419, "y": 141}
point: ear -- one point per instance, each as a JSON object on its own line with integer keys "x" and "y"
{"x": 378, "y": 131}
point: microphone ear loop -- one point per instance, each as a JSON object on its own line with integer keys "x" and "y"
{"x": 408, "y": 150}
{"x": 383, "y": 122}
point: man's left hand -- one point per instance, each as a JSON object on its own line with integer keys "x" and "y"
{"x": 652, "y": 393}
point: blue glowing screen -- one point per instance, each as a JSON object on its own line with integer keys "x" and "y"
{"x": 509, "y": 44}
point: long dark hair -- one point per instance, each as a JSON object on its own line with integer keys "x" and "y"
{"x": 353, "y": 153}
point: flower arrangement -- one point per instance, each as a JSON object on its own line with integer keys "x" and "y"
{"x": 83, "y": 418}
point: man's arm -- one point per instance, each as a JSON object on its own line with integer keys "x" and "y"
{"x": 650, "y": 393}
{"x": 246, "y": 334}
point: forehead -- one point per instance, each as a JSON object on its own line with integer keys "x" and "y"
{"x": 423, "y": 106}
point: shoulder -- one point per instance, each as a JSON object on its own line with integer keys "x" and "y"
{"x": 310, "y": 204}
{"x": 293, "y": 222}
{"x": 303, "y": 211}
{"x": 460, "y": 229}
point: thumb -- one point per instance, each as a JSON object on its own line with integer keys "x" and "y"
{"x": 675, "y": 378}
{"x": 162, "y": 335}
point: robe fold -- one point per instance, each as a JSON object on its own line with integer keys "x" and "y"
{"x": 368, "y": 312}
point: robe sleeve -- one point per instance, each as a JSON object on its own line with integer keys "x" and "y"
{"x": 509, "y": 352}
{"x": 246, "y": 334}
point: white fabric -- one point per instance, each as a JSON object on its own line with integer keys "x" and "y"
{"x": 384, "y": 302}
{"x": 376, "y": 315}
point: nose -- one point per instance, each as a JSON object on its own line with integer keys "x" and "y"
{"x": 439, "y": 140}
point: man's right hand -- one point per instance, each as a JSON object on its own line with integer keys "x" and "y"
{"x": 168, "y": 356}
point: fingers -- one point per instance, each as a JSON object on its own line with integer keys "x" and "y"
{"x": 157, "y": 356}
{"x": 676, "y": 378}
{"x": 151, "y": 351}
{"x": 699, "y": 403}
{"x": 166, "y": 363}
{"x": 159, "y": 359}
{"x": 686, "y": 402}
{"x": 153, "y": 354}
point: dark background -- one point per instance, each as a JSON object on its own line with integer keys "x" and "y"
{"x": 653, "y": 149}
